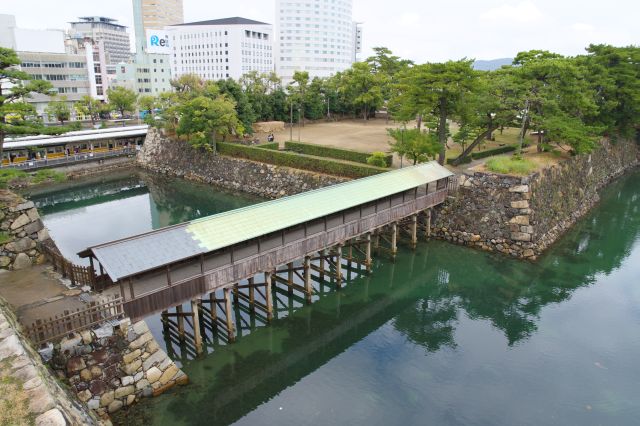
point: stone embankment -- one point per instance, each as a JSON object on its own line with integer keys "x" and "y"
{"x": 30, "y": 394}
{"x": 20, "y": 230}
{"x": 178, "y": 158}
{"x": 113, "y": 368}
{"x": 522, "y": 216}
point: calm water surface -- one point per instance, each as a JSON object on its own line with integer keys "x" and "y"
{"x": 445, "y": 335}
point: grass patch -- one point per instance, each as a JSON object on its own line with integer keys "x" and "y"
{"x": 14, "y": 401}
{"x": 511, "y": 166}
{"x": 48, "y": 174}
{"x": 4, "y": 237}
{"x": 9, "y": 175}
{"x": 336, "y": 153}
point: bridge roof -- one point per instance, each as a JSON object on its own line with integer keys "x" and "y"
{"x": 130, "y": 256}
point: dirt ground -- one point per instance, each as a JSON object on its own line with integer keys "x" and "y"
{"x": 37, "y": 293}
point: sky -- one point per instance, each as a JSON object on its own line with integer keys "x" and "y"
{"x": 420, "y": 30}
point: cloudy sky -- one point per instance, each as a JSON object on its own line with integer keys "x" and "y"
{"x": 420, "y": 30}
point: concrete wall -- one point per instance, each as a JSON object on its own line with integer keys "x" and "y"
{"x": 522, "y": 216}
{"x": 177, "y": 158}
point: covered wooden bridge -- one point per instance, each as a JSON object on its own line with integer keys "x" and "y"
{"x": 246, "y": 251}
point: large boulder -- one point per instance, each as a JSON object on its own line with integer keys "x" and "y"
{"x": 21, "y": 245}
{"x": 22, "y": 262}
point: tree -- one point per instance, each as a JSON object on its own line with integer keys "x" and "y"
{"x": 58, "y": 109}
{"x": 122, "y": 99}
{"x": 298, "y": 91}
{"x": 436, "y": 89}
{"x": 364, "y": 87}
{"x": 243, "y": 107}
{"x": 415, "y": 144}
{"x": 89, "y": 106}
{"x": 17, "y": 117}
{"x": 203, "y": 118}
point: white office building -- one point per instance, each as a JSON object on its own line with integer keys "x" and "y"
{"x": 221, "y": 48}
{"x": 317, "y": 36}
{"x": 113, "y": 37}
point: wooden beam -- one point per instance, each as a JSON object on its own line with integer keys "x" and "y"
{"x": 290, "y": 277}
{"x": 180, "y": 322}
{"x": 267, "y": 295}
{"x": 227, "y": 304}
{"x": 428, "y": 230}
{"x": 414, "y": 231}
{"x": 368, "y": 253}
{"x": 307, "y": 278}
{"x": 394, "y": 239}
{"x": 252, "y": 297}
{"x": 339, "y": 266}
{"x": 197, "y": 337}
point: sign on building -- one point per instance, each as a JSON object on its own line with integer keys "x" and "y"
{"x": 158, "y": 42}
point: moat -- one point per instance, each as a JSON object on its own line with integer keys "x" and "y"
{"x": 443, "y": 335}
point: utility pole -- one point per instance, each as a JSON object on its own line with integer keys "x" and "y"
{"x": 298, "y": 123}
{"x": 291, "y": 120}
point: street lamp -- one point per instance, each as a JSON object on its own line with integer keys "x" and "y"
{"x": 291, "y": 120}
{"x": 298, "y": 123}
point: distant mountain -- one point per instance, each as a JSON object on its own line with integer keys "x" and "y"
{"x": 492, "y": 64}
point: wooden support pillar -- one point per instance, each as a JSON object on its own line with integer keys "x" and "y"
{"x": 307, "y": 278}
{"x": 227, "y": 308}
{"x": 252, "y": 295}
{"x": 197, "y": 337}
{"x": 213, "y": 310}
{"x": 428, "y": 225}
{"x": 339, "y": 266}
{"x": 290, "y": 278}
{"x": 235, "y": 293}
{"x": 368, "y": 253}
{"x": 414, "y": 231}
{"x": 267, "y": 293}
{"x": 165, "y": 321}
{"x": 322, "y": 255}
{"x": 394, "y": 239}
{"x": 180, "y": 319}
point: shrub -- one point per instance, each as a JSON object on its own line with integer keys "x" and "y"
{"x": 510, "y": 165}
{"x": 298, "y": 161}
{"x": 465, "y": 160}
{"x": 377, "y": 159}
{"x": 337, "y": 153}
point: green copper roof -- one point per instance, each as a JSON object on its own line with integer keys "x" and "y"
{"x": 148, "y": 251}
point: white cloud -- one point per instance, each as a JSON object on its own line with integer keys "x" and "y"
{"x": 522, "y": 12}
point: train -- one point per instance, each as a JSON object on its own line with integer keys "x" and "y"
{"x": 83, "y": 143}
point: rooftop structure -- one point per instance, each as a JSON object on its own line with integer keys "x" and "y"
{"x": 113, "y": 36}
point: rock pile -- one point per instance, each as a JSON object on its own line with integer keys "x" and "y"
{"x": 20, "y": 230}
{"x": 113, "y": 369}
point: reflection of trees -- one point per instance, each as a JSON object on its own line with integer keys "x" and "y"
{"x": 423, "y": 295}
{"x": 176, "y": 201}
{"x": 511, "y": 294}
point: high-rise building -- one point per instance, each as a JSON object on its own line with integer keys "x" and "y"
{"x": 317, "y": 36}
{"x": 154, "y": 14}
{"x": 114, "y": 37}
{"x": 221, "y": 48}
{"x": 43, "y": 56}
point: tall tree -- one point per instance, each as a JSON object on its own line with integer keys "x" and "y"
{"x": 298, "y": 90}
{"x": 203, "y": 118}
{"x": 364, "y": 87}
{"x": 419, "y": 146}
{"x": 435, "y": 89}
{"x": 17, "y": 117}
{"x": 122, "y": 99}
{"x": 244, "y": 108}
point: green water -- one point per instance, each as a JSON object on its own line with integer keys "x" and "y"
{"x": 445, "y": 335}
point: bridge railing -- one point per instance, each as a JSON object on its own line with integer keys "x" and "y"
{"x": 55, "y": 328}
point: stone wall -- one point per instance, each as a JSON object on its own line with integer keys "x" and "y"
{"x": 32, "y": 384}
{"x": 113, "y": 368}
{"x": 20, "y": 230}
{"x": 178, "y": 158}
{"x": 522, "y": 216}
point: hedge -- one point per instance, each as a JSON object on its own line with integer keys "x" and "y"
{"x": 298, "y": 161}
{"x": 268, "y": 145}
{"x": 337, "y": 153}
{"x": 490, "y": 152}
